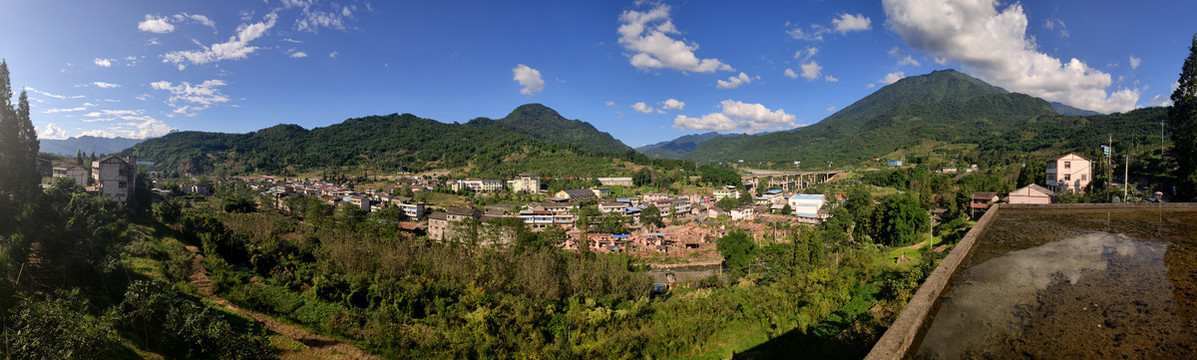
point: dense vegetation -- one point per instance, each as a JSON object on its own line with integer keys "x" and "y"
{"x": 676, "y": 148}
{"x": 1183, "y": 119}
{"x": 945, "y": 114}
{"x": 545, "y": 124}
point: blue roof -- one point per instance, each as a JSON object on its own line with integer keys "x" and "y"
{"x": 774, "y": 191}
{"x": 807, "y": 197}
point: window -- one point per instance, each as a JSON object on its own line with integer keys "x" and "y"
{"x": 1067, "y": 177}
{"x": 1084, "y": 177}
{"x": 1067, "y": 164}
{"x": 121, "y": 185}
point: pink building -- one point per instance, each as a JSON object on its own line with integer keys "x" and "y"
{"x": 1069, "y": 173}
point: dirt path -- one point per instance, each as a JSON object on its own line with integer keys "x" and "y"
{"x": 302, "y": 343}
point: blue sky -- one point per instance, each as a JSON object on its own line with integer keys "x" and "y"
{"x": 643, "y": 71}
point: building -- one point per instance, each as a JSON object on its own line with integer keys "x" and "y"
{"x": 114, "y": 177}
{"x": 981, "y": 201}
{"x": 606, "y": 207}
{"x": 726, "y": 191}
{"x": 1069, "y": 173}
{"x": 616, "y": 181}
{"x": 1031, "y": 194}
{"x": 743, "y": 213}
{"x": 73, "y": 171}
{"x": 483, "y": 185}
{"x": 198, "y": 189}
{"x": 654, "y": 196}
{"x": 576, "y": 195}
{"x": 526, "y": 182}
{"x": 413, "y": 210}
{"x": 440, "y": 224}
{"x": 807, "y": 206}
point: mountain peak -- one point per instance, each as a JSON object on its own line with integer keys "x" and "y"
{"x": 544, "y": 123}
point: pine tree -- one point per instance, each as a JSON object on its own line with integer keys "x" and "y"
{"x": 1182, "y": 118}
{"x": 28, "y": 147}
{"x": 9, "y": 136}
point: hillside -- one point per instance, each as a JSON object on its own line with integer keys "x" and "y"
{"x": 543, "y": 123}
{"x": 945, "y": 111}
{"x": 389, "y": 143}
{"x": 676, "y": 148}
{"x": 1068, "y": 110}
{"x": 88, "y": 144}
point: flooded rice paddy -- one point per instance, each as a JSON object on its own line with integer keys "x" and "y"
{"x": 1083, "y": 284}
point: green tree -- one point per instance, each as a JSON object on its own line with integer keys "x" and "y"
{"x": 738, "y": 250}
{"x": 651, "y": 215}
{"x": 899, "y": 221}
{"x": 787, "y": 210}
{"x": 1182, "y": 118}
{"x": 18, "y": 143}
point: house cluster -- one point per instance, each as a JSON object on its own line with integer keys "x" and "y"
{"x": 1066, "y": 174}
{"x": 110, "y": 176}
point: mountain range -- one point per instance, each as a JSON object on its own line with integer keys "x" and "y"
{"x": 944, "y": 115}
{"x": 87, "y": 144}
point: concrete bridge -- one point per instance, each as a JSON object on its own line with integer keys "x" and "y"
{"x": 786, "y": 180}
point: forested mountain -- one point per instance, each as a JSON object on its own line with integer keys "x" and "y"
{"x": 946, "y": 112}
{"x": 389, "y": 142}
{"x": 1068, "y": 110}
{"x": 676, "y": 148}
{"x": 543, "y": 123}
{"x": 88, "y": 144}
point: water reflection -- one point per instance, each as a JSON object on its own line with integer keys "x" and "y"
{"x": 991, "y": 303}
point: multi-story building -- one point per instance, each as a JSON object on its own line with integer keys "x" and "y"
{"x": 615, "y": 181}
{"x": 807, "y": 206}
{"x": 485, "y": 185}
{"x": 726, "y": 191}
{"x": 73, "y": 171}
{"x": 1069, "y": 173}
{"x": 114, "y": 177}
{"x": 526, "y": 182}
{"x": 440, "y": 224}
{"x": 413, "y": 210}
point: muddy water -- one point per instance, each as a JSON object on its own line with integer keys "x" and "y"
{"x": 1074, "y": 284}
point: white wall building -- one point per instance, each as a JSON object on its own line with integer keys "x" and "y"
{"x": 114, "y": 177}
{"x": 74, "y": 171}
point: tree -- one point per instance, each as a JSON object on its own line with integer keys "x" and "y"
{"x": 738, "y": 250}
{"x": 787, "y": 210}
{"x": 1182, "y": 118}
{"x": 899, "y": 221}
{"x": 651, "y": 215}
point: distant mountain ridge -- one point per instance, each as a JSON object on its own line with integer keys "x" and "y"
{"x": 945, "y": 112}
{"x": 390, "y": 142}
{"x": 543, "y": 123}
{"x": 1068, "y": 110}
{"x": 88, "y": 144}
{"x": 676, "y": 148}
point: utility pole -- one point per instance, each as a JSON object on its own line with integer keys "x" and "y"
{"x": 1109, "y": 171}
{"x": 1125, "y": 177}
{"x": 1161, "y": 140}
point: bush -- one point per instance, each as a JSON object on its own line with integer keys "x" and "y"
{"x": 180, "y": 327}
{"x": 59, "y": 328}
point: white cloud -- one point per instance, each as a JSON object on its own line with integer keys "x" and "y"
{"x": 609, "y": 103}
{"x": 871, "y": 85}
{"x": 673, "y": 104}
{"x": 646, "y": 36}
{"x": 791, "y": 74}
{"x": 993, "y": 45}
{"x": 332, "y": 55}
{"x": 104, "y": 62}
{"x": 734, "y": 81}
{"x": 136, "y": 124}
{"x": 157, "y": 25}
{"x": 1160, "y": 100}
{"x": 1134, "y": 62}
{"x": 143, "y": 97}
{"x": 1052, "y": 24}
{"x": 200, "y": 19}
{"x": 642, "y": 108}
{"x": 811, "y": 70}
{"x": 529, "y": 78}
{"x": 830, "y": 108}
{"x": 830, "y": 78}
{"x": 313, "y": 16}
{"x": 848, "y": 23}
{"x": 893, "y": 77}
{"x": 79, "y": 108}
{"x": 204, "y": 95}
{"x": 736, "y": 115}
{"x": 298, "y": 54}
{"x": 906, "y": 58}
{"x": 105, "y": 85}
{"x": 236, "y": 48}
{"x": 43, "y": 93}
{"x": 51, "y": 131}
{"x": 806, "y": 54}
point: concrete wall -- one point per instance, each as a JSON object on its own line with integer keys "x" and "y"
{"x": 913, "y": 319}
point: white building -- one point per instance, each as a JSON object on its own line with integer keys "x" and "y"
{"x": 1069, "y": 173}
{"x": 414, "y": 211}
{"x": 743, "y": 213}
{"x": 114, "y": 177}
{"x": 526, "y": 183}
{"x": 484, "y": 185}
{"x": 726, "y": 191}
{"x": 73, "y": 171}
{"x": 1031, "y": 194}
{"x": 612, "y": 181}
{"x": 807, "y": 206}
